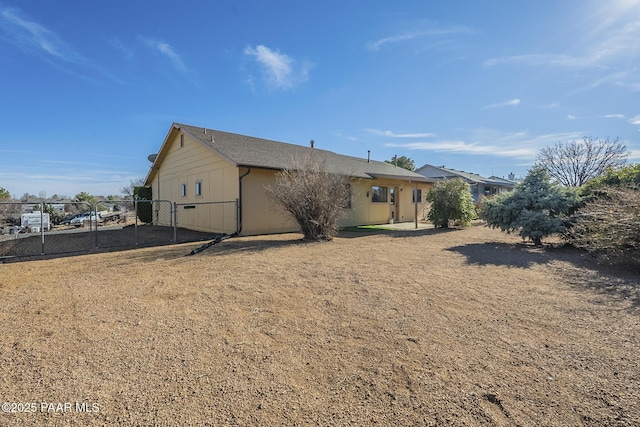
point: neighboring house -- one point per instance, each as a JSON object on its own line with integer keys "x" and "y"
{"x": 480, "y": 186}
{"x": 197, "y": 165}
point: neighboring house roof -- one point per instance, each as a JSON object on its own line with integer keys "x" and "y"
{"x": 440, "y": 172}
{"x": 502, "y": 181}
{"x": 249, "y": 151}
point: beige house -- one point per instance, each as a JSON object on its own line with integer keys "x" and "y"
{"x": 196, "y": 166}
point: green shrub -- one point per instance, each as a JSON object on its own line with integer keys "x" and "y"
{"x": 451, "y": 201}
{"x": 143, "y": 209}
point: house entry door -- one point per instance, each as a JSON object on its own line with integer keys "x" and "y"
{"x": 394, "y": 201}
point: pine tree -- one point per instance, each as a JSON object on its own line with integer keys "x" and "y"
{"x": 536, "y": 208}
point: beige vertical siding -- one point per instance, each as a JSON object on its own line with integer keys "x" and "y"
{"x": 193, "y": 163}
{"x": 364, "y": 211}
{"x": 260, "y": 213}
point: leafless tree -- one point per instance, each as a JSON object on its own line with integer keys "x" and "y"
{"x": 127, "y": 190}
{"x": 573, "y": 163}
{"x": 314, "y": 197}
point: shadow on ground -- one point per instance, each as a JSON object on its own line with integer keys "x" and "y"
{"x": 621, "y": 282}
{"x": 519, "y": 255}
{"x": 352, "y": 233}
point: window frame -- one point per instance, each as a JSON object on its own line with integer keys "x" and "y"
{"x": 375, "y": 192}
{"x": 199, "y": 188}
{"x": 183, "y": 189}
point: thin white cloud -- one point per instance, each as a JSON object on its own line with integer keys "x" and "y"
{"x": 30, "y": 35}
{"x": 166, "y": 50}
{"x": 614, "y": 116}
{"x": 280, "y": 71}
{"x": 429, "y": 32}
{"x": 468, "y": 148}
{"x": 635, "y": 120}
{"x": 126, "y": 51}
{"x": 620, "y": 43}
{"x": 571, "y": 117}
{"x": 634, "y": 155}
{"x": 520, "y": 146}
{"x": 339, "y": 134}
{"x": 399, "y": 135}
{"x": 510, "y": 103}
{"x": 62, "y": 179}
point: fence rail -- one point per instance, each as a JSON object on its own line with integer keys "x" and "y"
{"x": 43, "y": 228}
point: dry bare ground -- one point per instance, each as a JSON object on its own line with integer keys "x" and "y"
{"x": 461, "y": 327}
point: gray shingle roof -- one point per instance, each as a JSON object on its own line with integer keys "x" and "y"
{"x": 263, "y": 153}
{"x": 469, "y": 176}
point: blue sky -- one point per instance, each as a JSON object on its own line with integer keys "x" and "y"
{"x": 88, "y": 89}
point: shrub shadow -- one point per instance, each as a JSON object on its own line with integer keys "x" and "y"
{"x": 504, "y": 254}
{"x": 622, "y": 282}
{"x": 238, "y": 246}
{"x": 349, "y": 234}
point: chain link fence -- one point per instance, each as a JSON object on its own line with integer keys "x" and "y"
{"x": 41, "y": 228}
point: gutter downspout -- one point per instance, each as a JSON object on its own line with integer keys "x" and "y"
{"x": 240, "y": 200}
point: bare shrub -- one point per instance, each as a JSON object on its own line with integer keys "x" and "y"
{"x": 609, "y": 225}
{"x": 314, "y": 197}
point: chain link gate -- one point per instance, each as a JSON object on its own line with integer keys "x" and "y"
{"x": 135, "y": 223}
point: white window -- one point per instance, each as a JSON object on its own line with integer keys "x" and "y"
{"x": 198, "y": 188}
{"x": 183, "y": 190}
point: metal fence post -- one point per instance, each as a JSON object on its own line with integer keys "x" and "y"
{"x": 42, "y": 225}
{"x": 175, "y": 222}
{"x": 135, "y": 227}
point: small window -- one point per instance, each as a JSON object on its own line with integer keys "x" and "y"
{"x": 198, "y": 188}
{"x": 183, "y": 190}
{"x": 392, "y": 196}
{"x": 181, "y": 141}
{"x": 379, "y": 194}
{"x": 417, "y": 191}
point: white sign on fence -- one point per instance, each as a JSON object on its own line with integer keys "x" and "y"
{"x": 34, "y": 220}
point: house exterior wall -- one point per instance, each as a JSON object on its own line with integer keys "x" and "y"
{"x": 364, "y": 211}
{"x": 262, "y": 215}
{"x": 190, "y": 163}
{"x": 187, "y": 161}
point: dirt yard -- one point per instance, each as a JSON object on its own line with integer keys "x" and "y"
{"x": 462, "y": 327}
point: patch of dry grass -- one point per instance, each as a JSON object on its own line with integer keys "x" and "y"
{"x": 459, "y": 327}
